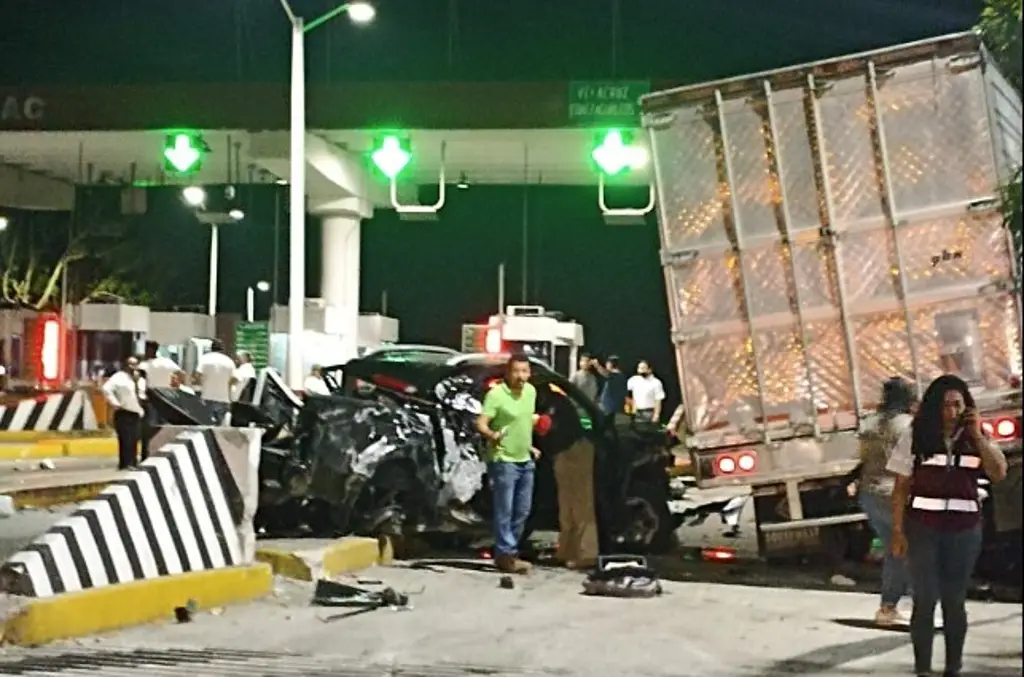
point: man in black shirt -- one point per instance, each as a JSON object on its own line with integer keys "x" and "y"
{"x": 613, "y": 394}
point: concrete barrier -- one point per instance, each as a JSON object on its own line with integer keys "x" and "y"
{"x": 177, "y": 532}
{"x": 51, "y": 413}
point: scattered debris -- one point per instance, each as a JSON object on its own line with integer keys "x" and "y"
{"x": 333, "y": 594}
{"x": 184, "y": 614}
{"x": 47, "y": 464}
{"x": 506, "y": 583}
{"x": 7, "y": 508}
{"x": 842, "y": 581}
{"x": 622, "y": 576}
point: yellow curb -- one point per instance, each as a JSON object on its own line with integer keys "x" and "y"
{"x": 17, "y": 436}
{"x": 82, "y": 447}
{"x": 48, "y": 497}
{"x": 343, "y": 556}
{"x": 79, "y": 614}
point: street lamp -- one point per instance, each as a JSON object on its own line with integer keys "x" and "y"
{"x": 250, "y": 299}
{"x": 194, "y": 196}
{"x": 360, "y": 13}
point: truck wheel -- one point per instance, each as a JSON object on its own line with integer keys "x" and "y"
{"x": 648, "y": 520}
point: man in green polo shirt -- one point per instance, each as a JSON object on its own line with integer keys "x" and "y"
{"x": 507, "y": 423}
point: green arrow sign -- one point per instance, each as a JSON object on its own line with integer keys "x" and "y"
{"x": 183, "y": 153}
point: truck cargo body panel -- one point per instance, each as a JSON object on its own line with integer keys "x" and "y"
{"x": 829, "y": 226}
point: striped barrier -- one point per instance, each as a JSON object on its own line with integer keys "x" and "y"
{"x": 56, "y": 412}
{"x": 188, "y": 508}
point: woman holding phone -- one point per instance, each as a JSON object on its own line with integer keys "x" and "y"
{"x": 937, "y": 513}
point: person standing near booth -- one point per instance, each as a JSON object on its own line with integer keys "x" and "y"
{"x": 122, "y": 394}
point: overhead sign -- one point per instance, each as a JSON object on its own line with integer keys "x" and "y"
{"x": 254, "y": 338}
{"x": 607, "y": 103}
{"x": 21, "y": 109}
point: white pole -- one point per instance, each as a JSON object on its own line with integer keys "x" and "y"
{"x": 250, "y": 305}
{"x": 297, "y": 215}
{"x": 211, "y": 306}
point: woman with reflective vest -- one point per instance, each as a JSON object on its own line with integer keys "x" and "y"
{"x": 937, "y": 513}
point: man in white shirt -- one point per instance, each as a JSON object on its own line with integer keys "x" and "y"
{"x": 314, "y": 384}
{"x": 243, "y": 374}
{"x": 646, "y": 393}
{"x": 215, "y": 374}
{"x": 159, "y": 370}
{"x": 122, "y": 393}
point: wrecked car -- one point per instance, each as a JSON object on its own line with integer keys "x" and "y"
{"x": 393, "y": 451}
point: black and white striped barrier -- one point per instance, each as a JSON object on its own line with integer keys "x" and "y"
{"x": 57, "y": 412}
{"x": 188, "y": 508}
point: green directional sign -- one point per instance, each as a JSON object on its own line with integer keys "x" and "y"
{"x": 183, "y": 153}
{"x": 606, "y": 103}
{"x": 254, "y": 338}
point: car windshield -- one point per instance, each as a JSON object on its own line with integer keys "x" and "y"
{"x": 419, "y": 355}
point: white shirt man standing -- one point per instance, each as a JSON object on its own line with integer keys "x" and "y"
{"x": 159, "y": 370}
{"x": 122, "y": 394}
{"x": 216, "y": 372}
{"x": 243, "y": 374}
{"x": 647, "y": 393}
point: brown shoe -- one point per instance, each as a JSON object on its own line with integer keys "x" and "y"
{"x": 521, "y": 567}
{"x": 505, "y": 564}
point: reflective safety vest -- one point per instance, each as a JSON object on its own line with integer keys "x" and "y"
{"x": 944, "y": 488}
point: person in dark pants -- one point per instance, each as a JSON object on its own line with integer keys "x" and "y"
{"x": 122, "y": 394}
{"x": 937, "y": 513}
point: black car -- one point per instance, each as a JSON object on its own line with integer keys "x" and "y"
{"x": 438, "y": 397}
{"x": 393, "y": 450}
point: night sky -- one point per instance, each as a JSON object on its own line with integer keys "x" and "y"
{"x": 441, "y": 274}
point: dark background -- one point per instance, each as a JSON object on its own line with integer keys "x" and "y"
{"x": 441, "y": 274}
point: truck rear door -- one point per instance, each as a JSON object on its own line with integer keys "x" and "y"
{"x": 829, "y": 226}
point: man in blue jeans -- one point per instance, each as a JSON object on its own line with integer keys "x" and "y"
{"x": 507, "y": 422}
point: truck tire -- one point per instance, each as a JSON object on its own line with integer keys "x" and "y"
{"x": 648, "y": 515}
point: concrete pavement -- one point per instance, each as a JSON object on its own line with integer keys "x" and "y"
{"x": 461, "y": 623}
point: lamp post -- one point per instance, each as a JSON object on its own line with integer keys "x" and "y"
{"x": 358, "y": 12}
{"x": 250, "y": 299}
{"x": 195, "y": 196}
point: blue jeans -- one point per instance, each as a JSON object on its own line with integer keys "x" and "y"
{"x": 512, "y": 490}
{"x": 941, "y": 564}
{"x": 895, "y": 580}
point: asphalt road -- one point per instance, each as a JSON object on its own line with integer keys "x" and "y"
{"x": 461, "y": 623}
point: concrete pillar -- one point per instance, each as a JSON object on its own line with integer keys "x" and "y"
{"x": 339, "y": 285}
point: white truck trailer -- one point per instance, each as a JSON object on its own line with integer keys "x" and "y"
{"x": 823, "y": 228}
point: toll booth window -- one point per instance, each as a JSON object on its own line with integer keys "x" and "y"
{"x": 960, "y": 346}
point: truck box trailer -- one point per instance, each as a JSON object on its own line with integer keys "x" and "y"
{"x": 825, "y": 227}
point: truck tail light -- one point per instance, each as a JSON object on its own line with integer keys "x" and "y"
{"x": 736, "y": 463}
{"x": 1002, "y": 428}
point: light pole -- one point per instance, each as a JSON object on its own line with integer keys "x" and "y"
{"x": 358, "y": 12}
{"x": 250, "y": 299}
{"x": 195, "y": 196}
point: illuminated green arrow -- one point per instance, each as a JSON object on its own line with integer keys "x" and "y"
{"x": 181, "y": 154}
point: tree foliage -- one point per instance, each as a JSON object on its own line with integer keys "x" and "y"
{"x": 1001, "y": 27}
{"x": 39, "y": 250}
